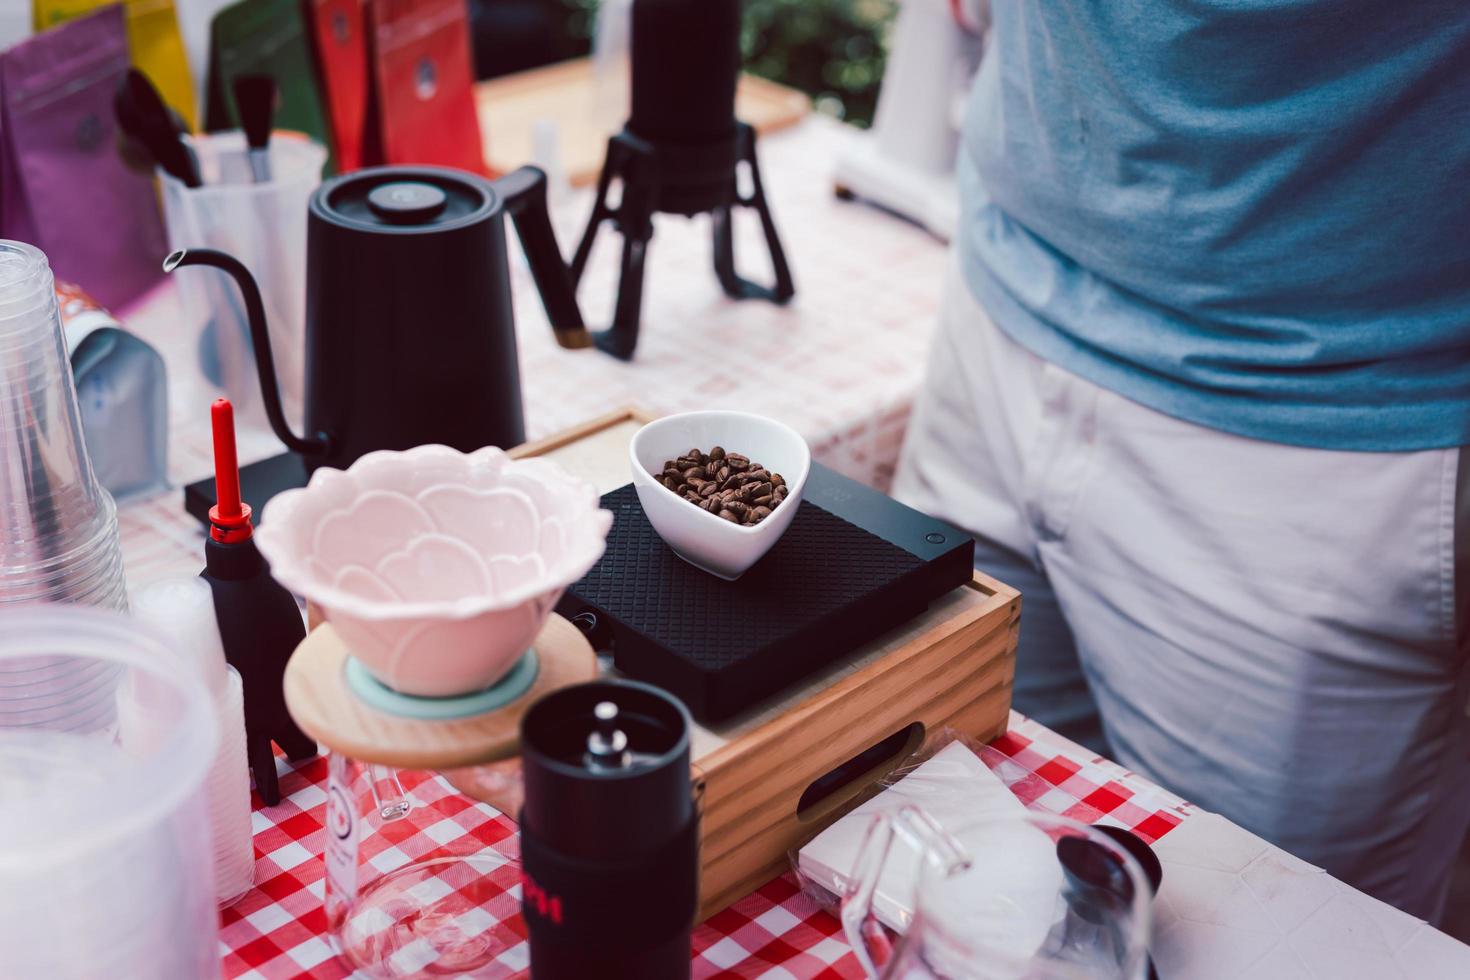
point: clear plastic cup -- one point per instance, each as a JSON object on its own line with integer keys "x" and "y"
{"x": 50, "y": 502}
{"x": 107, "y": 865}
{"x": 90, "y": 542}
{"x": 75, "y": 571}
{"x": 58, "y": 526}
{"x": 86, "y": 581}
{"x": 264, "y": 226}
{"x": 95, "y": 578}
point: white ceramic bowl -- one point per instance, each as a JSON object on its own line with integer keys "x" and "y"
{"x": 717, "y": 546}
{"x": 437, "y": 568}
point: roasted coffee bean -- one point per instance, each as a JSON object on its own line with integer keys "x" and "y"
{"x": 724, "y": 483}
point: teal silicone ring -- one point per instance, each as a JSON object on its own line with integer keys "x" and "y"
{"x": 375, "y": 694}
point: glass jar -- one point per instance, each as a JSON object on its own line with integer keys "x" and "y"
{"x": 420, "y": 880}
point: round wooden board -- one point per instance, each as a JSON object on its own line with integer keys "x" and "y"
{"x": 320, "y": 702}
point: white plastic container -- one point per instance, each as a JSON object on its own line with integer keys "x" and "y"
{"x": 105, "y": 866}
{"x": 264, "y": 226}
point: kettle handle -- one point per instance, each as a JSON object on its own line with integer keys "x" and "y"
{"x": 315, "y": 445}
{"x": 524, "y": 193}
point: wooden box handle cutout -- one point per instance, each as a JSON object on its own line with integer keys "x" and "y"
{"x": 841, "y": 785}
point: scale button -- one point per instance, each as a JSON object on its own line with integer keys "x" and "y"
{"x": 934, "y": 537}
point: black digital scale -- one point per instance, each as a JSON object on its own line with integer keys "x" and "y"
{"x": 853, "y": 564}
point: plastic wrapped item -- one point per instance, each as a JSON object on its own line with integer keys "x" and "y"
{"x": 264, "y": 226}
{"x": 947, "y": 855}
{"x": 1029, "y": 896}
{"x": 949, "y": 780}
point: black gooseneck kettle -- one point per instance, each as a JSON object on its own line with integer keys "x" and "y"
{"x": 410, "y": 338}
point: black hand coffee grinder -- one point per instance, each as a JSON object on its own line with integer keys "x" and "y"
{"x": 609, "y": 834}
{"x": 680, "y": 153}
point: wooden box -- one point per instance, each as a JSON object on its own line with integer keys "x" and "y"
{"x": 761, "y": 773}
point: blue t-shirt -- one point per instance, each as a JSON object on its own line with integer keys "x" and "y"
{"x": 1251, "y": 214}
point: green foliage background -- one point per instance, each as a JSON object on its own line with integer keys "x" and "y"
{"x": 831, "y": 49}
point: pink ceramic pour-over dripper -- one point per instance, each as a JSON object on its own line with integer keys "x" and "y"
{"x": 436, "y": 568}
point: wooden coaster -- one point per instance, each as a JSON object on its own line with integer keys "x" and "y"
{"x": 321, "y": 703}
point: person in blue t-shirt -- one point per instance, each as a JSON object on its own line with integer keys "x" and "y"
{"x": 1199, "y": 390}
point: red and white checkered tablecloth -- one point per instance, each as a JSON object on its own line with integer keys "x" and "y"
{"x": 279, "y": 929}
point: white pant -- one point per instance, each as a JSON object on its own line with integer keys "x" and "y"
{"x": 1267, "y": 630}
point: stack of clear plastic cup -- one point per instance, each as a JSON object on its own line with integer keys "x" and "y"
{"x": 104, "y": 842}
{"x": 58, "y": 526}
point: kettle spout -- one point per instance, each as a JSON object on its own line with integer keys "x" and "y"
{"x": 314, "y": 445}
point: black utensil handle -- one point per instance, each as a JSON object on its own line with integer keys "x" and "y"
{"x": 524, "y": 193}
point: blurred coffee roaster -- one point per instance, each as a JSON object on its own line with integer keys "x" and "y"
{"x": 906, "y": 162}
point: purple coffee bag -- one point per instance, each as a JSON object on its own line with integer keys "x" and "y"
{"x": 63, "y": 187}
